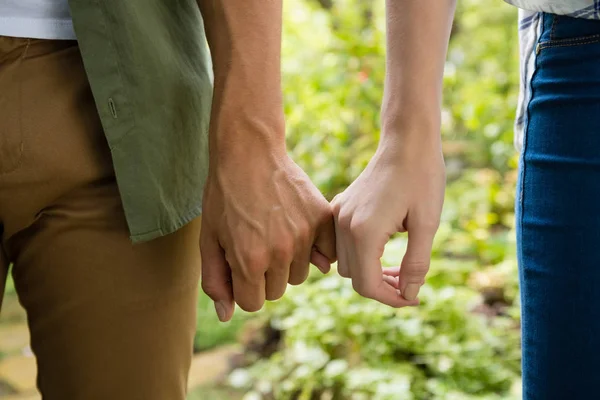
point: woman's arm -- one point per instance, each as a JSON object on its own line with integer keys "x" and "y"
{"x": 402, "y": 188}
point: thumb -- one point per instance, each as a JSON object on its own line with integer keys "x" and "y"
{"x": 216, "y": 275}
{"x": 415, "y": 263}
{"x": 324, "y": 253}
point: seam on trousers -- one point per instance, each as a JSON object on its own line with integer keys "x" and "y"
{"x": 521, "y": 198}
{"x": 591, "y": 40}
{"x": 525, "y": 132}
{"x": 521, "y": 201}
{"x": 19, "y": 111}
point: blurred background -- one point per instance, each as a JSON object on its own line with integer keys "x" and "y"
{"x": 322, "y": 341}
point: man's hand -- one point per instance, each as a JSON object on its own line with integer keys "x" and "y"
{"x": 263, "y": 222}
{"x": 402, "y": 189}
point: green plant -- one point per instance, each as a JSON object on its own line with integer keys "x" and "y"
{"x": 210, "y": 331}
{"x": 9, "y": 288}
{"x": 338, "y": 345}
{"x": 213, "y": 393}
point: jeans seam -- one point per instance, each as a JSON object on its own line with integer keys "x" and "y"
{"x": 524, "y": 149}
{"x": 521, "y": 200}
{"x": 571, "y": 42}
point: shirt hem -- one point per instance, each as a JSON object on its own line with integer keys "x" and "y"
{"x": 50, "y": 29}
{"x": 166, "y": 230}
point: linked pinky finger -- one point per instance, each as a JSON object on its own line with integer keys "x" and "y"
{"x": 392, "y": 271}
{"x": 392, "y": 281}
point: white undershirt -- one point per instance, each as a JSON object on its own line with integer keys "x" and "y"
{"x": 39, "y": 19}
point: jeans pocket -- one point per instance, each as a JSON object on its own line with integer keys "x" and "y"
{"x": 566, "y": 31}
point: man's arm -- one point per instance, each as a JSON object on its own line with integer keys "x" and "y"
{"x": 402, "y": 188}
{"x": 263, "y": 220}
{"x": 245, "y": 43}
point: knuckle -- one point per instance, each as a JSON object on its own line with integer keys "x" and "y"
{"x": 302, "y": 232}
{"x": 426, "y": 221}
{"x": 250, "y": 306}
{"x": 298, "y": 277}
{"x": 362, "y": 289}
{"x": 431, "y": 225}
{"x": 282, "y": 250}
{"x": 359, "y": 227}
{"x": 326, "y": 209}
{"x": 297, "y": 280}
{"x": 336, "y": 205}
{"x": 415, "y": 269}
{"x": 344, "y": 272}
{"x": 275, "y": 295}
{"x": 344, "y": 220}
{"x": 211, "y": 288}
{"x": 256, "y": 261}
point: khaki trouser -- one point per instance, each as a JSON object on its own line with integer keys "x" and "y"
{"x": 108, "y": 320}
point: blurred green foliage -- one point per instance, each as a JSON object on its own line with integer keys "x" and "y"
{"x": 213, "y": 393}
{"x": 210, "y": 332}
{"x": 463, "y": 341}
{"x": 333, "y": 63}
{"x": 340, "y": 346}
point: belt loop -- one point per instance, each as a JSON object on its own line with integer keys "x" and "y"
{"x": 554, "y": 22}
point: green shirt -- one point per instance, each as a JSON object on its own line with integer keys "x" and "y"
{"x": 149, "y": 70}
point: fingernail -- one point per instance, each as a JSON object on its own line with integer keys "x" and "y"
{"x": 411, "y": 291}
{"x": 221, "y": 310}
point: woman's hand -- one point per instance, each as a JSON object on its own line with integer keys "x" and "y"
{"x": 402, "y": 189}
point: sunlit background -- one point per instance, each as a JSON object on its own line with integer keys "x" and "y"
{"x": 322, "y": 341}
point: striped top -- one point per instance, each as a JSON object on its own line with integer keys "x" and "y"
{"x": 530, "y": 14}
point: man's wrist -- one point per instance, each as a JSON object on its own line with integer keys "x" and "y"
{"x": 243, "y": 134}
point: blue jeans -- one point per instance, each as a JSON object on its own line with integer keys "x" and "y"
{"x": 558, "y": 216}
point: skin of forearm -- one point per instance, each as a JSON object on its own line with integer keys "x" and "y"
{"x": 417, "y": 43}
{"x": 244, "y": 37}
